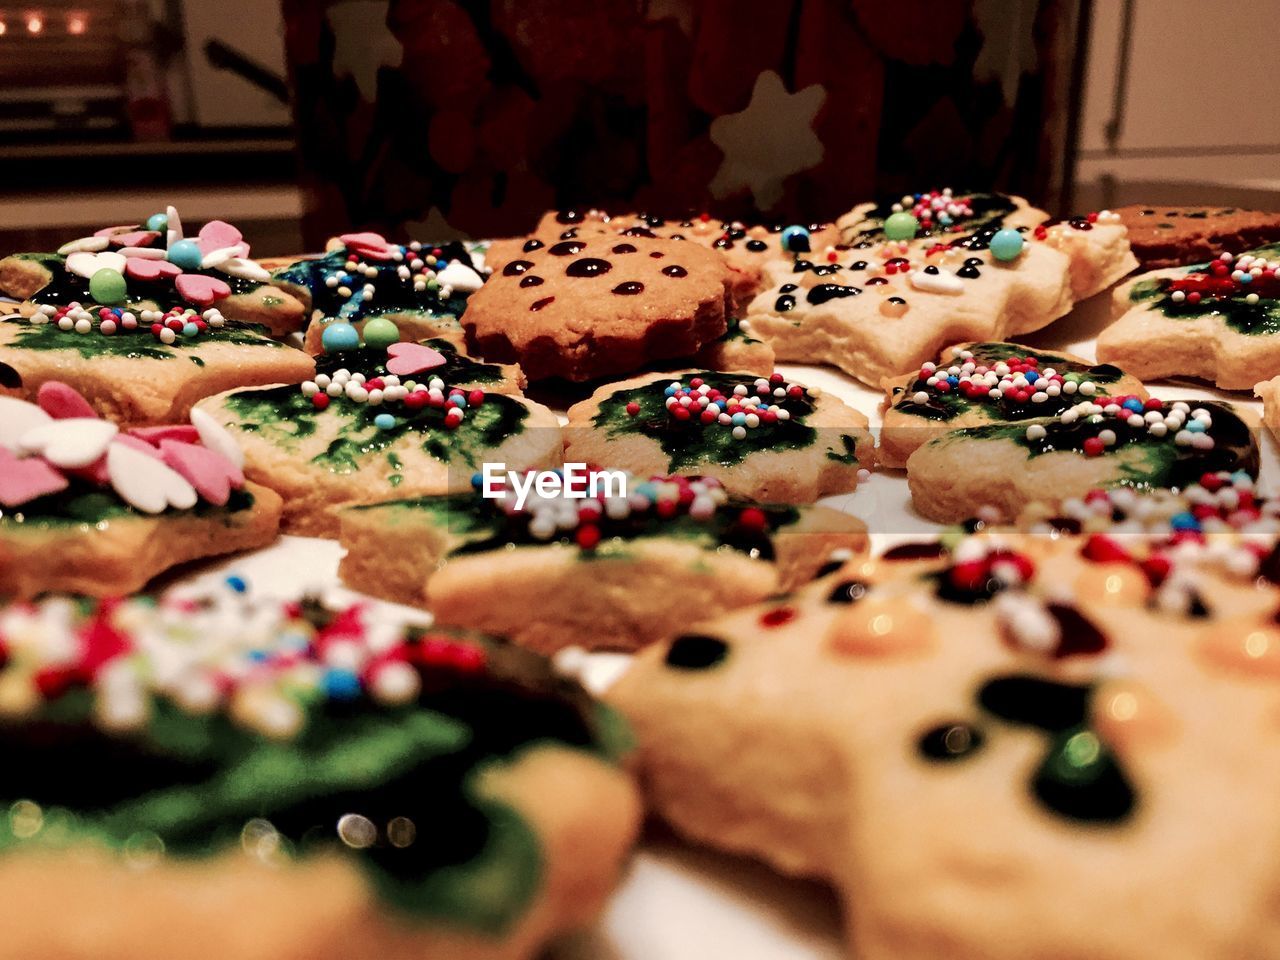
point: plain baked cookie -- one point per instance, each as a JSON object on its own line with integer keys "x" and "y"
{"x": 1218, "y": 321}
{"x": 762, "y": 437}
{"x": 208, "y": 776}
{"x": 1003, "y": 753}
{"x": 995, "y": 471}
{"x": 88, "y": 508}
{"x": 1173, "y": 236}
{"x": 613, "y": 571}
{"x": 972, "y": 384}
{"x": 896, "y": 291}
{"x": 600, "y": 306}
{"x": 154, "y": 267}
{"x": 374, "y": 424}
{"x": 419, "y": 289}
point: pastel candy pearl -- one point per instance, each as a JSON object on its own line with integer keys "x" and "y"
{"x": 1007, "y": 245}
{"x": 186, "y": 254}
{"x": 380, "y": 333}
{"x": 795, "y": 239}
{"x": 901, "y": 226}
{"x": 340, "y": 336}
{"x": 158, "y": 222}
{"x": 107, "y": 286}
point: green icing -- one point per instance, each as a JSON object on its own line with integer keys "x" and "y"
{"x": 139, "y": 345}
{"x": 690, "y": 443}
{"x": 1220, "y": 298}
{"x": 850, "y": 455}
{"x": 83, "y": 504}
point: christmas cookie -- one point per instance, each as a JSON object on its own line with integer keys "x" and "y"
{"x": 377, "y": 424}
{"x": 613, "y": 570}
{"x": 746, "y": 249}
{"x": 1173, "y": 236}
{"x": 154, "y": 267}
{"x": 738, "y": 349}
{"x": 1000, "y": 468}
{"x": 762, "y": 437}
{"x": 978, "y": 383}
{"x": 1218, "y": 321}
{"x": 257, "y": 779}
{"x": 142, "y": 368}
{"x": 901, "y": 286}
{"x": 409, "y": 291}
{"x": 595, "y": 307}
{"x": 993, "y": 756}
{"x": 87, "y": 507}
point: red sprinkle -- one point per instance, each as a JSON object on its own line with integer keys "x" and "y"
{"x": 777, "y": 616}
{"x": 1093, "y": 447}
{"x": 320, "y": 400}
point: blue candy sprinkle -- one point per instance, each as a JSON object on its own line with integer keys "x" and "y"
{"x": 477, "y": 480}
{"x": 1134, "y": 405}
{"x": 341, "y": 684}
{"x": 1184, "y": 521}
{"x": 953, "y": 380}
{"x": 1031, "y": 376}
{"x": 1195, "y": 426}
{"x": 670, "y": 391}
{"x": 739, "y": 419}
{"x": 457, "y": 400}
{"x": 795, "y": 239}
{"x": 190, "y": 330}
{"x": 259, "y": 656}
{"x": 238, "y": 584}
{"x": 384, "y": 421}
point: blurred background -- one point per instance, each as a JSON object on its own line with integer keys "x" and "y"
{"x": 436, "y": 118}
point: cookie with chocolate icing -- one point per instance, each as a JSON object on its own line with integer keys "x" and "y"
{"x": 984, "y": 729}
{"x": 611, "y": 569}
{"x": 419, "y": 288}
{"x": 901, "y": 286}
{"x": 601, "y": 306}
{"x": 972, "y": 384}
{"x": 153, "y": 267}
{"x": 264, "y": 779}
{"x": 1173, "y": 236}
{"x": 91, "y": 508}
{"x": 997, "y": 470}
{"x": 378, "y": 424}
{"x": 1219, "y": 321}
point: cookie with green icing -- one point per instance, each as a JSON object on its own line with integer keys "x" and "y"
{"x": 206, "y": 768}
{"x": 911, "y": 278}
{"x": 997, "y": 470}
{"x": 1219, "y": 321}
{"x": 987, "y": 729}
{"x": 90, "y": 508}
{"x": 979, "y": 383}
{"x": 762, "y": 437}
{"x": 617, "y": 564}
{"x": 421, "y": 288}
{"x": 153, "y": 266}
{"x": 360, "y": 432}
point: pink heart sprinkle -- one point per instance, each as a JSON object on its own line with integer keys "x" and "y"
{"x": 201, "y": 290}
{"x": 23, "y": 480}
{"x": 138, "y": 238}
{"x": 63, "y": 402}
{"x": 212, "y": 474}
{"x": 112, "y": 231}
{"x": 145, "y": 269}
{"x": 182, "y": 432}
{"x": 368, "y": 244}
{"x": 411, "y": 358}
{"x": 217, "y": 234}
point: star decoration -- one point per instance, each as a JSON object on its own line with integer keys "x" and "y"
{"x": 769, "y": 141}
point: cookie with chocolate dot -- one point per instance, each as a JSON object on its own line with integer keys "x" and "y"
{"x": 599, "y": 306}
{"x": 1164, "y": 236}
{"x": 955, "y": 747}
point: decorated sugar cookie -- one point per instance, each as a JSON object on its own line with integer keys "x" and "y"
{"x": 613, "y": 570}
{"x": 155, "y": 267}
{"x": 375, "y": 424}
{"x": 411, "y": 291}
{"x": 1219, "y": 321}
{"x": 901, "y": 286}
{"x": 1001, "y": 468}
{"x": 600, "y": 306}
{"x": 88, "y": 507}
{"x": 979, "y": 383}
{"x": 745, "y": 248}
{"x": 1173, "y": 236}
{"x": 257, "y": 778}
{"x": 986, "y": 729}
{"x": 762, "y": 437}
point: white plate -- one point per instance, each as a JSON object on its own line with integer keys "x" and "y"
{"x": 677, "y": 902}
